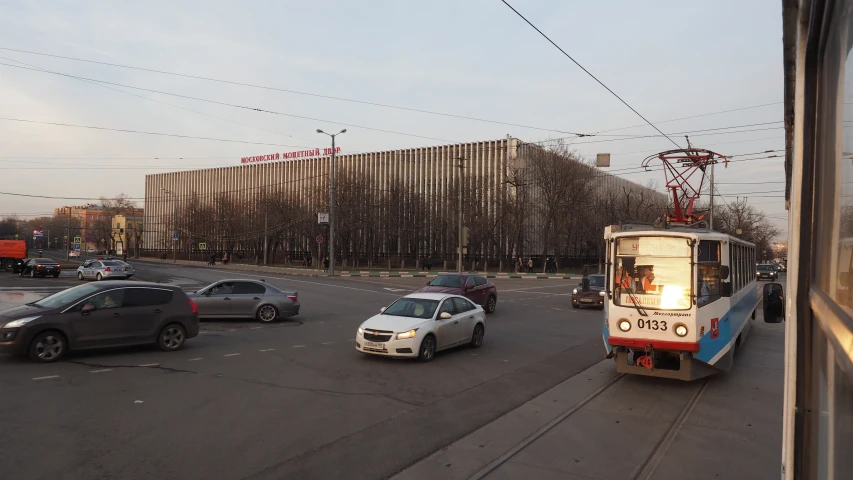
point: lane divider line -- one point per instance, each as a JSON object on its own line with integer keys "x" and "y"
{"x": 149, "y": 365}
{"x": 195, "y": 359}
{"x": 101, "y": 370}
{"x": 298, "y": 346}
{"x": 46, "y": 378}
{"x": 231, "y": 354}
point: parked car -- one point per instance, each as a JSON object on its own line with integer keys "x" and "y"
{"x": 40, "y": 267}
{"x": 107, "y": 314}
{"x": 766, "y": 271}
{"x": 245, "y": 299}
{"x": 592, "y": 298}
{"x": 421, "y": 324}
{"x": 476, "y": 288}
{"x": 104, "y": 269}
{"x": 74, "y": 253}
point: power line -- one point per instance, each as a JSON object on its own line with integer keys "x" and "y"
{"x": 588, "y": 73}
{"x": 691, "y": 117}
{"x": 233, "y": 105}
{"x": 146, "y": 133}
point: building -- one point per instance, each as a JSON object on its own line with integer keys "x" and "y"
{"x": 390, "y": 204}
{"x": 95, "y": 223}
{"x": 127, "y": 233}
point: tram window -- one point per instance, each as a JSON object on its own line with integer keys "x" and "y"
{"x": 708, "y": 283}
{"x": 709, "y": 251}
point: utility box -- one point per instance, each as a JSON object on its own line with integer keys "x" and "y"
{"x": 602, "y": 160}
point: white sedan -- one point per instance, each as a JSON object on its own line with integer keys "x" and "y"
{"x": 420, "y": 324}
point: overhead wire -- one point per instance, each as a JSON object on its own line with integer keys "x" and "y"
{"x": 588, "y": 72}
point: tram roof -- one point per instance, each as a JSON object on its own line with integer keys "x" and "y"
{"x": 615, "y": 231}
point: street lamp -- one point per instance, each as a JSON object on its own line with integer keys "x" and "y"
{"x": 332, "y": 202}
{"x": 175, "y": 224}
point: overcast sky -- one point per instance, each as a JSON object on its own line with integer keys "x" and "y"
{"x": 473, "y": 58}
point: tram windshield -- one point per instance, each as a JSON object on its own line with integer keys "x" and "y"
{"x": 653, "y": 273}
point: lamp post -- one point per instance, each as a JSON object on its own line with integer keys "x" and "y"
{"x": 175, "y": 224}
{"x": 332, "y": 202}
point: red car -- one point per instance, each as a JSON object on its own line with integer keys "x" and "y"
{"x": 476, "y": 288}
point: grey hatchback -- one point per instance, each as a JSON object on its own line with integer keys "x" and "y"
{"x": 104, "y": 314}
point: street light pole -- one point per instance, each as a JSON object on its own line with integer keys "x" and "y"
{"x": 459, "y": 260}
{"x": 332, "y": 202}
{"x": 174, "y": 224}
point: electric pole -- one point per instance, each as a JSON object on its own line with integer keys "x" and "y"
{"x": 332, "y": 202}
{"x": 711, "y": 209}
{"x": 461, "y": 174}
{"x": 266, "y": 224}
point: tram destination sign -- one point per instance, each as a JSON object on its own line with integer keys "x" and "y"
{"x": 654, "y": 246}
{"x": 314, "y": 152}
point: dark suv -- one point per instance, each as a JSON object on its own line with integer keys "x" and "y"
{"x": 592, "y": 298}
{"x": 476, "y": 288}
{"x": 103, "y": 314}
{"x": 766, "y": 271}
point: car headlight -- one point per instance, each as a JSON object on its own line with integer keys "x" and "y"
{"x": 21, "y": 322}
{"x": 575, "y": 291}
{"x": 405, "y": 335}
{"x": 624, "y": 325}
{"x": 681, "y": 330}
{"x": 360, "y": 330}
{"x": 601, "y": 293}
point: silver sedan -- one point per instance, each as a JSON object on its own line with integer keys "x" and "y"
{"x": 104, "y": 270}
{"x": 245, "y": 299}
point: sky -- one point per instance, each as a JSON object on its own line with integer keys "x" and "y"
{"x": 667, "y": 59}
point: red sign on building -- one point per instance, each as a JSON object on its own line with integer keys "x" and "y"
{"x": 285, "y": 155}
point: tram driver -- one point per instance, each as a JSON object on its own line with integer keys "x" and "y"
{"x": 648, "y": 281}
{"x": 622, "y": 278}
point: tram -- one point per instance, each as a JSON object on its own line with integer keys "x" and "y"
{"x": 678, "y": 300}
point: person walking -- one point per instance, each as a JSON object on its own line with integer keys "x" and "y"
{"x": 326, "y": 264}
{"x": 585, "y": 279}
{"x": 529, "y": 264}
{"x": 212, "y": 260}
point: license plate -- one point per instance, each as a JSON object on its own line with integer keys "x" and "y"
{"x": 586, "y": 300}
{"x": 378, "y": 346}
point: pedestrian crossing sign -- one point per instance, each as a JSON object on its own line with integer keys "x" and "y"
{"x": 202, "y": 246}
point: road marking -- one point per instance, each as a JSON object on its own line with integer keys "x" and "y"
{"x": 293, "y": 280}
{"x": 150, "y": 365}
{"x": 532, "y": 288}
{"x": 555, "y": 308}
{"x": 195, "y": 359}
{"x": 256, "y": 328}
{"x": 327, "y": 343}
{"x": 266, "y": 350}
{"x": 233, "y": 330}
{"x": 298, "y": 346}
{"x": 46, "y": 378}
{"x": 231, "y": 354}
{"x": 101, "y": 370}
{"x": 397, "y": 289}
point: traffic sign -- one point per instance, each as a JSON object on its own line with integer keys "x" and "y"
{"x": 77, "y": 240}
{"x": 76, "y": 246}
{"x": 322, "y": 218}
{"x": 88, "y": 239}
{"x": 190, "y": 241}
{"x": 202, "y": 246}
{"x": 319, "y": 239}
{"x": 36, "y": 233}
{"x": 175, "y": 236}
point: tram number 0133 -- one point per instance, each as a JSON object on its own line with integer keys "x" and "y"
{"x": 652, "y": 324}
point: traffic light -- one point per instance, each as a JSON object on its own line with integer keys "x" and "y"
{"x": 40, "y": 228}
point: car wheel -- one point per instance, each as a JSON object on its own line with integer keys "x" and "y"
{"x": 491, "y": 304}
{"x": 575, "y": 305}
{"x": 48, "y": 347}
{"x": 9, "y": 264}
{"x": 55, "y": 275}
{"x": 79, "y": 275}
{"x": 99, "y": 277}
{"x": 172, "y": 337}
{"x": 267, "y": 314}
{"x": 477, "y": 336}
{"x": 427, "y": 351}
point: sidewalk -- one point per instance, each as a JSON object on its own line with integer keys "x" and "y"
{"x": 314, "y": 272}
{"x": 597, "y": 425}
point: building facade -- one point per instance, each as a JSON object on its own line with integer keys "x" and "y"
{"x": 96, "y": 224}
{"x": 402, "y": 203}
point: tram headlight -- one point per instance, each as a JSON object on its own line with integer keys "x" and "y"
{"x": 624, "y": 325}
{"x": 681, "y": 329}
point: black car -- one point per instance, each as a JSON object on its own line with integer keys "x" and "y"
{"x": 766, "y": 271}
{"x": 40, "y": 267}
{"x": 103, "y": 314}
{"x": 594, "y": 297}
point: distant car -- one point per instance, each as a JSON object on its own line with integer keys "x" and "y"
{"x": 594, "y": 297}
{"x": 245, "y": 299}
{"x": 421, "y": 324}
{"x": 108, "y": 314}
{"x": 41, "y": 267}
{"x": 476, "y": 288}
{"x": 766, "y": 271}
{"x": 90, "y": 250}
{"x": 104, "y": 269}
{"x": 74, "y": 253}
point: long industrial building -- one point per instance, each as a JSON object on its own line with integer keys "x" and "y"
{"x": 406, "y": 202}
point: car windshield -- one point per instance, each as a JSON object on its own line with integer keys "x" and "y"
{"x": 66, "y": 297}
{"x": 765, "y": 268}
{"x": 653, "y": 273}
{"x": 596, "y": 281}
{"x": 43, "y": 260}
{"x": 412, "y": 307}
{"x": 453, "y": 281}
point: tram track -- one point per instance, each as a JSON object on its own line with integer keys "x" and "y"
{"x": 644, "y": 470}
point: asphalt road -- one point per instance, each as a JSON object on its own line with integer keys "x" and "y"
{"x": 288, "y": 400}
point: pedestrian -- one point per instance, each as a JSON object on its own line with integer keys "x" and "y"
{"x": 326, "y": 264}
{"x": 225, "y": 258}
{"x": 585, "y": 279}
{"x": 124, "y": 255}
{"x": 241, "y": 258}
{"x": 529, "y": 264}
